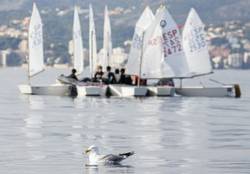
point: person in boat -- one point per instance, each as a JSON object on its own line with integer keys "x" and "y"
{"x": 99, "y": 74}
{"x": 117, "y": 75}
{"x": 135, "y": 80}
{"x": 166, "y": 82}
{"x": 109, "y": 76}
{"x": 125, "y": 79}
{"x": 122, "y": 79}
{"x": 73, "y": 74}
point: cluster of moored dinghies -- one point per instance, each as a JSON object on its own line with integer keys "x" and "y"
{"x": 159, "y": 53}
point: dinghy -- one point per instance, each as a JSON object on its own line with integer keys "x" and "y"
{"x": 134, "y": 60}
{"x": 198, "y": 60}
{"x": 133, "y": 66}
{"x": 83, "y": 88}
{"x": 36, "y": 61}
{"x": 116, "y": 90}
{"x": 200, "y": 91}
{"x": 163, "y": 57}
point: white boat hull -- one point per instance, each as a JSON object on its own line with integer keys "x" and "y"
{"x": 91, "y": 90}
{"x": 128, "y": 91}
{"x": 199, "y": 91}
{"x": 57, "y": 90}
{"x": 161, "y": 91}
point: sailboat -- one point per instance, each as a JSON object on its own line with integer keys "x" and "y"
{"x": 84, "y": 88}
{"x": 163, "y": 56}
{"x": 36, "y": 60}
{"x": 134, "y": 60}
{"x": 198, "y": 60}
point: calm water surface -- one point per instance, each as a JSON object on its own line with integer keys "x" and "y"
{"x": 47, "y": 134}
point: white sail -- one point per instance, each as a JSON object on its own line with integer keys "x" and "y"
{"x": 78, "y": 61}
{"x": 142, "y": 24}
{"x": 93, "y": 60}
{"x": 36, "y": 53}
{"x": 107, "y": 40}
{"x": 195, "y": 46}
{"x": 163, "y": 55}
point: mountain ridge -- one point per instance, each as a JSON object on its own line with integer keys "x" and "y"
{"x": 212, "y": 11}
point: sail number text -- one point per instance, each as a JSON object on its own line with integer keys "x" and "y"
{"x": 170, "y": 41}
{"x": 196, "y": 39}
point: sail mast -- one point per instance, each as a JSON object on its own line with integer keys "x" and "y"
{"x": 93, "y": 60}
{"x": 108, "y": 50}
{"x": 107, "y": 41}
{"x": 90, "y": 41}
{"x": 78, "y": 62}
{"x": 141, "y": 59}
{"x": 29, "y": 78}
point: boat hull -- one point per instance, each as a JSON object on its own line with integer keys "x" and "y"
{"x": 199, "y": 91}
{"x": 57, "y": 90}
{"x": 161, "y": 91}
{"x": 128, "y": 91}
{"x": 91, "y": 91}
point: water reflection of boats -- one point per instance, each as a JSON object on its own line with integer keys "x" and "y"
{"x": 33, "y": 128}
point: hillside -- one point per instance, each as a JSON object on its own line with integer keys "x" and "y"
{"x": 210, "y": 10}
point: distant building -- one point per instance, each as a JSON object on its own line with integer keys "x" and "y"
{"x": 247, "y": 60}
{"x": 117, "y": 58}
{"x": 3, "y": 57}
{"x": 235, "y": 60}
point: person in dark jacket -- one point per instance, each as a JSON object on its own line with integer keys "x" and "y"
{"x": 117, "y": 75}
{"x": 73, "y": 74}
{"x": 125, "y": 79}
{"x": 122, "y": 77}
{"x": 99, "y": 74}
{"x": 109, "y": 76}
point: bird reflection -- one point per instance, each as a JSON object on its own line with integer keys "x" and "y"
{"x": 108, "y": 168}
{"x": 91, "y": 169}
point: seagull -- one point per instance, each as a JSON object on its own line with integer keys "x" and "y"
{"x": 95, "y": 158}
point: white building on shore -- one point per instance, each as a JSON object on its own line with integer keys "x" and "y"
{"x": 3, "y": 57}
{"x": 235, "y": 60}
{"x": 117, "y": 58}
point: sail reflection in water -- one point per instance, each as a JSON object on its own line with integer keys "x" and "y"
{"x": 33, "y": 128}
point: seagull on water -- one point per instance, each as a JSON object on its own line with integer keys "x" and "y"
{"x": 95, "y": 158}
